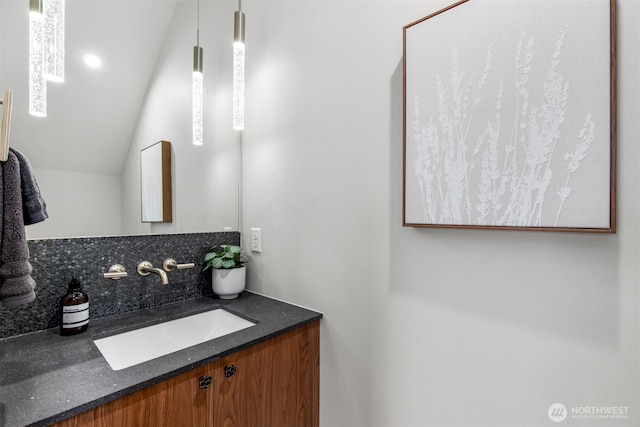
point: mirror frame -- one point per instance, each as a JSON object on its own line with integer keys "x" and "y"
{"x": 155, "y": 181}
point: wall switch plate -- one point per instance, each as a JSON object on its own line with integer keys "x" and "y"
{"x": 256, "y": 240}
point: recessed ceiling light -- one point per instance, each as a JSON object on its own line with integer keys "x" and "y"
{"x": 92, "y": 60}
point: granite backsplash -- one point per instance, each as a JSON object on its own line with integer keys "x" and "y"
{"x": 56, "y": 261}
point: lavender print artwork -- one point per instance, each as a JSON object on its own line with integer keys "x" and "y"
{"x": 509, "y": 125}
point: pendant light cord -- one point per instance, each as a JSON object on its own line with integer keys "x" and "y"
{"x": 198, "y": 26}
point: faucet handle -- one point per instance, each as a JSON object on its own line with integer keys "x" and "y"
{"x": 116, "y": 271}
{"x": 170, "y": 264}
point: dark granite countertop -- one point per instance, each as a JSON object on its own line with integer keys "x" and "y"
{"x": 45, "y": 377}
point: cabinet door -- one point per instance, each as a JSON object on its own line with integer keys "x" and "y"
{"x": 184, "y": 400}
{"x": 275, "y": 383}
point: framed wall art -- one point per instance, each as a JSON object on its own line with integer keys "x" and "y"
{"x": 509, "y": 116}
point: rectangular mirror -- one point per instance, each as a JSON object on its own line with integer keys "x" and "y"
{"x": 155, "y": 179}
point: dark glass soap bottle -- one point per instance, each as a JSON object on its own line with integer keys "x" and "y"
{"x": 74, "y": 310}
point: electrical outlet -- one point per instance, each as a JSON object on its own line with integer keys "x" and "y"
{"x": 256, "y": 240}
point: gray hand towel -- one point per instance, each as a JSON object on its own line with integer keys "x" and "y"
{"x": 34, "y": 208}
{"x": 16, "y": 284}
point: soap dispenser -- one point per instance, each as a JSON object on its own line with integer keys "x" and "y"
{"x": 74, "y": 310}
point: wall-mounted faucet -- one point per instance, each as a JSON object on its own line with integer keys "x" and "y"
{"x": 145, "y": 267}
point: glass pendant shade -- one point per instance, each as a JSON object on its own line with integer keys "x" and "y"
{"x": 197, "y": 88}
{"x": 54, "y": 39}
{"x": 37, "y": 81}
{"x": 238, "y": 71}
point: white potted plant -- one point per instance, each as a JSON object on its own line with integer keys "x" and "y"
{"x": 228, "y": 272}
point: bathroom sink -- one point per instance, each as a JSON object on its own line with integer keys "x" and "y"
{"x": 144, "y": 344}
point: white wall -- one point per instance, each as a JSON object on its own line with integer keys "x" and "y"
{"x": 424, "y": 327}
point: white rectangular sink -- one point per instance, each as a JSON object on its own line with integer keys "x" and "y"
{"x": 144, "y": 344}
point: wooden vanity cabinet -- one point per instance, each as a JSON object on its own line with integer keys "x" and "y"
{"x": 274, "y": 383}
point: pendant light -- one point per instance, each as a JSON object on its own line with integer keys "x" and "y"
{"x": 238, "y": 68}
{"x": 37, "y": 81}
{"x": 197, "y": 87}
{"x": 54, "y": 39}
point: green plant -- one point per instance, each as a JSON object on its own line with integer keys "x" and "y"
{"x": 224, "y": 256}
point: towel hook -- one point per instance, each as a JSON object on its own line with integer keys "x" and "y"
{"x": 5, "y": 124}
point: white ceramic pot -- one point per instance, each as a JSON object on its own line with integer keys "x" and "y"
{"x": 228, "y": 283}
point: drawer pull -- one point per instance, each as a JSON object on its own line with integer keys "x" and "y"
{"x": 229, "y": 371}
{"x": 205, "y": 382}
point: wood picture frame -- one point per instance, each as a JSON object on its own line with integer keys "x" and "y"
{"x": 155, "y": 183}
{"x": 509, "y": 116}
